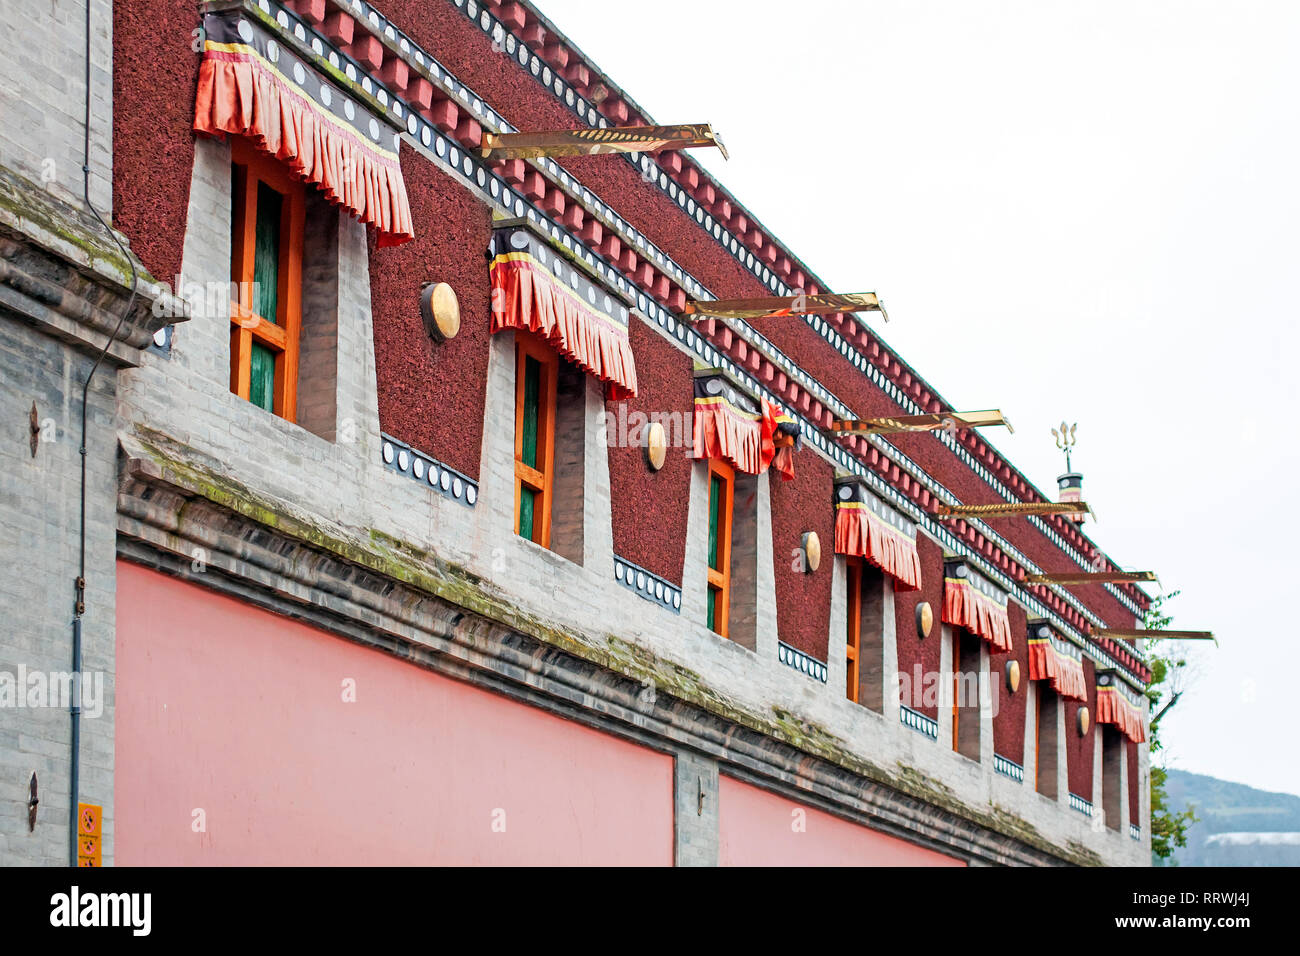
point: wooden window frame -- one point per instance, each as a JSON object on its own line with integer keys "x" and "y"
{"x": 251, "y": 167}
{"x": 853, "y": 643}
{"x": 720, "y": 577}
{"x": 540, "y": 480}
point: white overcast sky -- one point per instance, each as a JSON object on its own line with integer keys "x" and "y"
{"x": 1071, "y": 210}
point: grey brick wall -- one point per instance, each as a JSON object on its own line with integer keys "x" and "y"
{"x": 318, "y": 358}
{"x": 42, "y": 95}
{"x": 42, "y": 115}
{"x": 695, "y": 810}
{"x": 39, "y": 522}
{"x": 568, "y": 507}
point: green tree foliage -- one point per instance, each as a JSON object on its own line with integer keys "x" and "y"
{"x": 1168, "y": 827}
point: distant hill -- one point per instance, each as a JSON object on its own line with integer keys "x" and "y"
{"x": 1264, "y": 827}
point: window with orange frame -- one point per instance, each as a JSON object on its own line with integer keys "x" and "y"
{"x": 537, "y": 368}
{"x": 722, "y": 485}
{"x": 266, "y": 270}
{"x": 853, "y": 642}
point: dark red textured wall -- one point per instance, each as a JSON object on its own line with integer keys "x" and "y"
{"x": 1134, "y": 782}
{"x": 155, "y": 74}
{"x": 512, "y": 89}
{"x": 431, "y": 396}
{"x": 1009, "y": 719}
{"x": 649, "y": 507}
{"x": 912, "y": 650}
{"x": 803, "y": 600}
{"x": 1079, "y": 750}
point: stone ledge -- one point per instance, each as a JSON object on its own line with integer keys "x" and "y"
{"x": 61, "y": 270}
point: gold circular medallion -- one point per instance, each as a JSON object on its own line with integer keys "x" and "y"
{"x": 656, "y": 445}
{"x": 1085, "y": 720}
{"x": 440, "y": 310}
{"x": 1013, "y": 676}
{"x": 812, "y": 551}
{"x": 924, "y": 619}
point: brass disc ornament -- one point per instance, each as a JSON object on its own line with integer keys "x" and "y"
{"x": 656, "y": 445}
{"x": 924, "y": 619}
{"x": 440, "y": 310}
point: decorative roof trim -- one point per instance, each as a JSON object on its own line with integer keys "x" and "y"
{"x": 743, "y": 249}
{"x": 537, "y": 288}
{"x": 292, "y": 112}
{"x": 647, "y": 585}
{"x": 404, "y": 459}
{"x": 918, "y": 722}
{"x": 1008, "y": 768}
{"x": 449, "y": 154}
{"x": 482, "y": 15}
{"x": 972, "y": 601}
{"x": 804, "y": 663}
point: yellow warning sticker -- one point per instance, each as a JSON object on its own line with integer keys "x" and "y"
{"x": 89, "y": 820}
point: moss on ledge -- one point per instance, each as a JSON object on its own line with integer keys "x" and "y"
{"x": 24, "y": 204}
{"x": 425, "y": 571}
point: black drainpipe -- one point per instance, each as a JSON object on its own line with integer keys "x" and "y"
{"x": 79, "y": 608}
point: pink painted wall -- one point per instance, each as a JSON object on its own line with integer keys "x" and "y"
{"x": 239, "y": 711}
{"x": 755, "y": 829}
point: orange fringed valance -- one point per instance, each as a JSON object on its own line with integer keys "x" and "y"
{"x": 726, "y": 430}
{"x": 726, "y": 427}
{"x": 1046, "y": 662}
{"x": 318, "y": 132}
{"x": 966, "y": 604}
{"x": 1114, "y": 707}
{"x": 536, "y": 290}
{"x": 887, "y": 540}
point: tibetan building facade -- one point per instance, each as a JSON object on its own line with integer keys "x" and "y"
{"x": 422, "y": 525}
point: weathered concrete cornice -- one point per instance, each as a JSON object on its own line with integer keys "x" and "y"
{"x": 61, "y": 270}
{"x": 386, "y": 594}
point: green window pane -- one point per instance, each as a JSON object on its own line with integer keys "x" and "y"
{"x": 261, "y": 385}
{"x": 716, "y": 485}
{"x": 266, "y": 255}
{"x": 527, "y": 497}
{"x": 532, "y": 389}
{"x": 713, "y": 600}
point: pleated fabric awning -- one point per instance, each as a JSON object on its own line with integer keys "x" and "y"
{"x": 1117, "y": 705}
{"x": 973, "y": 602}
{"x": 866, "y": 527}
{"x": 536, "y": 289}
{"x": 252, "y": 85}
{"x": 1057, "y": 661}
{"x": 750, "y": 434}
